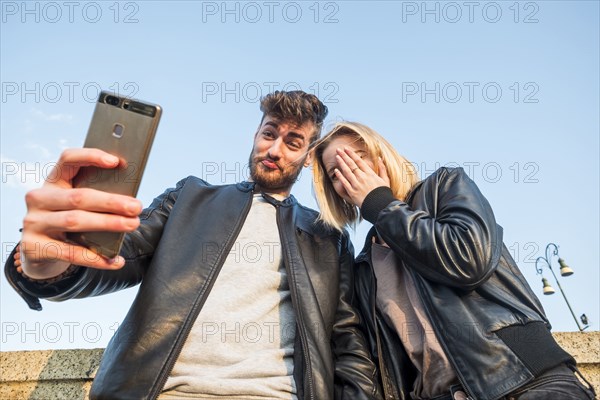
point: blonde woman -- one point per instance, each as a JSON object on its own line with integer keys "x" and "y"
{"x": 446, "y": 310}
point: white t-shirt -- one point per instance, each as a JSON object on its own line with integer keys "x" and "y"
{"x": 242, "y": 344}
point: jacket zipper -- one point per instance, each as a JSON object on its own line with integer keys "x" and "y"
{"x": 186, "y": 329}
{"x": 299, "y": 315}
{"x": 459, "y": 375}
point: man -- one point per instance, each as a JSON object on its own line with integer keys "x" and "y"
{"x": 211, "y": 319}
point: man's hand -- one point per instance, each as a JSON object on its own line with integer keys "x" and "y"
{"x": 57, "y": 208}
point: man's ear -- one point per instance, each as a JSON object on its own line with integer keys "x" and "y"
{"x": 309, "y": 158}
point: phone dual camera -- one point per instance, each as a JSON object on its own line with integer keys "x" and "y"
{"x": 127, "y": 104}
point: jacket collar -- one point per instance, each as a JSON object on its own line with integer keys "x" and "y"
{"x": 249, "y": 187}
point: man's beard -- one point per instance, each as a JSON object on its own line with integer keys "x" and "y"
{"x": 273, "y": 179}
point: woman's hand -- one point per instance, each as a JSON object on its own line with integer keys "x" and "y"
{"x": 357, "y": 176}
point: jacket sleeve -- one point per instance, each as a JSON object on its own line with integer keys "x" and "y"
{"x": 355, "y": 371}
{"x": 138, "y": 248}
{"x": 448, "y": 233}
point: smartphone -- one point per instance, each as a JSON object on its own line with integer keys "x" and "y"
{"x": 126, "y": 128}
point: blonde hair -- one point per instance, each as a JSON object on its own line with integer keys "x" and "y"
{"x": 336, "y": 212}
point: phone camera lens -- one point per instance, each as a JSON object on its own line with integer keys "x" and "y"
{"x": 112, "y": 100}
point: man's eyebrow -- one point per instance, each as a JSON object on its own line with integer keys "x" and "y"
{"x": 297, "y": 135}
{"x": 293, "y": 134}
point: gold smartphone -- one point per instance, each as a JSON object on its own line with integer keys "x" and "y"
{"x": 126, "y": 128}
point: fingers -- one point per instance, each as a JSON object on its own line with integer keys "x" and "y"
{"x": 39, "y": 255}
{"x": 78, "y": 221}
{"x": 45, "y": 259}
{"x": 346, "y": 169}
{"x": 344, "y": 158}
{"x": 17, "y": 258}
{"x": 57, "y": 208}
{"x": 72, "y": 159}
{"x": 358, "y": 176}
{"x": 347, "y": 185}
{"x": 357, "y": 160}
{"x": 52, "y": 211}
{"x": 88, "y": 157}
{"x": 55, "y": 199}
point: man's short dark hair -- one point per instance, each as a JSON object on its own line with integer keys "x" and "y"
{"x": 296, "y": 107}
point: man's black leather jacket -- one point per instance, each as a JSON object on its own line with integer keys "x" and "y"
{"x": 490, "y": 324}
{"x": 176, "y": 254}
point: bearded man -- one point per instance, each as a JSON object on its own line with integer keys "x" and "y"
{"x": 243, "y": 295}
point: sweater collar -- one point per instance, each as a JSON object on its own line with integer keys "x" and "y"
{"x": 249, "y": 187}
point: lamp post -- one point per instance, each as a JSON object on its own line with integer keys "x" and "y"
{"x": 565, "y": 270}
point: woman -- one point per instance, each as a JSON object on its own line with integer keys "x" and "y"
{"x": 447, "y": 312}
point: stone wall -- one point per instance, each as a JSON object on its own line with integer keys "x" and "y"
{"x": 68, "y": 374}
{"x": 48, "y": 374}
{"x": 585, "y": 347}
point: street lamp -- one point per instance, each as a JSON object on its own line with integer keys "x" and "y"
{"x": 565, "y": 270}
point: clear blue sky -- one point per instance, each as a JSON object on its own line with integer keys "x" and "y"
{"x": 507, "y": 90}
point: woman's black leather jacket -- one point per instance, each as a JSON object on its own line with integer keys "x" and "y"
{"x": 490, "y": 324}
